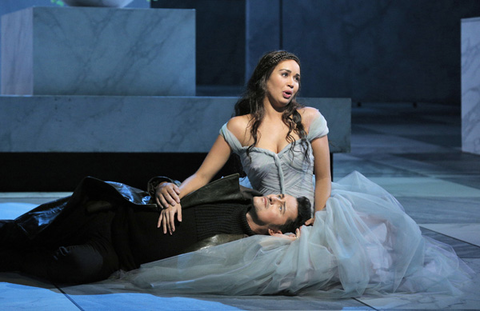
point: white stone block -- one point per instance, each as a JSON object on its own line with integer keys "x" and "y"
{"x": 98, "y": 51}
{"x": 135, "y": 123}
{"x": 471, "y": 85}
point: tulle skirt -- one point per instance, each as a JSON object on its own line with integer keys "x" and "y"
{"x": 362, "y": 242}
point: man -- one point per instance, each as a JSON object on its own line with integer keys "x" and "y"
{"x": 107, "y": 226}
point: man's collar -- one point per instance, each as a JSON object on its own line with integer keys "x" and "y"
{"x": 226, "y": 189}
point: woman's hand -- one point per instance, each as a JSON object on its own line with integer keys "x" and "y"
{"x": 310, "y": 221}
{"x": 167, "y": 218}
{"x": 167, "y": 194}
{"x": 289, "y": 236}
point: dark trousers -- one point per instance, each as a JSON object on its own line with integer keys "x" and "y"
{"x": 78, "y": 250}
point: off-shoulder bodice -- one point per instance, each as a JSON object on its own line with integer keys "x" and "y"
{"x": 286, "y": 172}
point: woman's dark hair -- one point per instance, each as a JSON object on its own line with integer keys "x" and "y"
{"x": 304, "y": 214}
{"x": 252, "y": 100}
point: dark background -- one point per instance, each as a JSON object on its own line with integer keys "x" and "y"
{"x": 371, "y": 51}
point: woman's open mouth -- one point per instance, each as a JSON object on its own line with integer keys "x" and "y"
{"x": 287, "y": 94}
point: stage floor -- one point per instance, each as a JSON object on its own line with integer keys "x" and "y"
{"x": 413, "y": 152}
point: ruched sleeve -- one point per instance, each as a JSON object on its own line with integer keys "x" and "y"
{"x": 230, "y": 139}
{"x": 318, "y": 128}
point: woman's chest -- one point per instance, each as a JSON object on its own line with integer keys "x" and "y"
{"x": 275, "y": 138}
{"x": 295, "y": 156}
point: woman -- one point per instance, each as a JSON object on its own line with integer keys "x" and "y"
{"x": 361, "y": 242}
{"x": 280, "y": 143}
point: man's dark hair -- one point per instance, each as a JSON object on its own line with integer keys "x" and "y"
{"x": 304, "y": 214}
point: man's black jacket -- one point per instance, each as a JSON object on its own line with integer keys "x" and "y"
{"x": 91, "y": 189}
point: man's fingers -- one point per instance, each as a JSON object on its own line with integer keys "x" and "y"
{"x": 167, "y": 218}
{"x": 159, "y": 223}
{"x": 172, "y": 221}
{"x": 166, "y": 223}
{"x": 179, "y": 213}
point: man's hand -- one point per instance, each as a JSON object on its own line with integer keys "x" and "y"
{"x": 167, "y": 218}
{"x": 167, "y": 194}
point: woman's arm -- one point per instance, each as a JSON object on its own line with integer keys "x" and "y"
{"x": 170, "y": 194}
{"x": 215, "y": 160}
{"x": 323, "y": 186}
{"x": 321, "y": 153}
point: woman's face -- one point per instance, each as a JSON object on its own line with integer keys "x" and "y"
{"x": 283, "y": 83}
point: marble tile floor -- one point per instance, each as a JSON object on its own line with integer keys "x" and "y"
{"x": 413, "y": 152}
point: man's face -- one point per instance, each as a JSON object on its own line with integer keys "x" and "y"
{"x": 274, "y": 209}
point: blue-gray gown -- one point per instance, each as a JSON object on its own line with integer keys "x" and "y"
{"x": 362, "y": 242}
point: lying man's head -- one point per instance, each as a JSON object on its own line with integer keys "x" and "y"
{"x": 278, "y": 213}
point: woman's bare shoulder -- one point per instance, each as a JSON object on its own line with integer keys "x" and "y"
{"x": 238, "y": 126}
